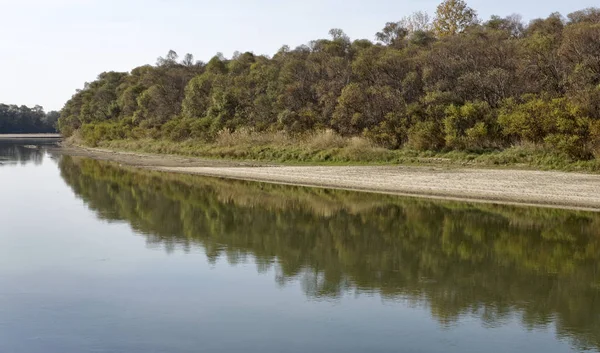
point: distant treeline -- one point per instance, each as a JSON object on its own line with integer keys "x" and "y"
{"x": 450, "y": 82}
{"x": 20, "y": 120}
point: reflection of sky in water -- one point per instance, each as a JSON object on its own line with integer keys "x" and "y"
{"x": 70, "y": 282}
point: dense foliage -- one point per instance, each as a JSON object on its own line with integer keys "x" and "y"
{"x": 450, "y": 83}
{"x": 18, "y": 120}
{"x": 493, "y": 262}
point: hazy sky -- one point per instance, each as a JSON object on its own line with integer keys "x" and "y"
{"x": 49, "y": 48}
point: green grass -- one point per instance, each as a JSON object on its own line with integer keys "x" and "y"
{"x": 326, "y": 148}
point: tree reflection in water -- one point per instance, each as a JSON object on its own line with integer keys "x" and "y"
{"x": 483, "y": 260}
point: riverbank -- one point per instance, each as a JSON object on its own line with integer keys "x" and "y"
{"x": 327, "y": 148}
{"x": 29, "y": 136}
{"x": 543, "y": 188}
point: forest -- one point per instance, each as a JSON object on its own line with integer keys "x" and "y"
{"x": 21, "y": 120}
{"x": 450, "y": 82}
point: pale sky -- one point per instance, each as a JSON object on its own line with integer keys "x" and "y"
{"x": 49, "y": 48}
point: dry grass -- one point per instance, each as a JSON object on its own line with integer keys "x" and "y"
{"x": 227, "y": 138}
{"x": 325, "y": 139}
{"x": 327, "y": 147}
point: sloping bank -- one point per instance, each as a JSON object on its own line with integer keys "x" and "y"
{"x": 546, "y": 188}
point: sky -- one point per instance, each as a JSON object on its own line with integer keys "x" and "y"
{"x": 50, "y": 48}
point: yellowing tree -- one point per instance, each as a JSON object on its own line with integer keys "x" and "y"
{"x": 452, "y": 17}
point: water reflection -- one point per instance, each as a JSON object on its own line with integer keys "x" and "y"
{"x": 24, "y": 152}
{"x": 486, "y": 261}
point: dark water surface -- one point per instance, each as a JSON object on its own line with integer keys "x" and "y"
{"x": 98, "y": 258}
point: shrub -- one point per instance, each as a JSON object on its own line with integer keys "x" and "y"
{"x": 572, "y": 145}
{"x": 390, "y": 133}
{"x": 467, "y": 126}
{"x": 425, "y": 136}
{"x": 478, "y": 136}
{"x": 558, "y": 123}
{"x": 594, "y": 141}
{"x": 529, "y": 121}
{"x": 92, "y": 134}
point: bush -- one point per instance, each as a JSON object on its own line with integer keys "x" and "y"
{"x": 425, "y": 136}
{"x": 594, "y": 143}
{"x": 478, "y": 136}
{"x": 558, "y": 123}
{"x": 390, "y": 133}
{"x": 92, "y": 134}
{"x": 467, "y": 126}
{"x": 572, "y": 145}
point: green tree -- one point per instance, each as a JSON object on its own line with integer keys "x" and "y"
{"x": 453, "y": 17}
{"x": 392, "y": 34}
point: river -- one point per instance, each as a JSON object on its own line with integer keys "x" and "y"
{"x": 95, "y": 257}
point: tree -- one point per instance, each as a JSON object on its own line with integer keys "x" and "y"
{"x": 360, "y": 108}
{"x": 417, "y": 22}
{"x": 580, "y": 50}
{"x": 52, "y": 119}
{"x": 513, "y": 25}
{"x": 197, "y": 95}
{"x": 452, "y": 17}
{"x": 188, "y": 60}
{"x": 169, "y": 60}
{"x": 338, "y": 34}
{"x": 539, "y": 60}
{"x": 392, "y": 34}
{"x": 591, "y": 15}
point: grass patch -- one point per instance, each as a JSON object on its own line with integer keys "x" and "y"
{"x": 326, "y": 147}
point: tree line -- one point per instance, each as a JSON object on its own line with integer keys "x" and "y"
{"x": 447, "y": 82}
{"x": 21, "y": 119}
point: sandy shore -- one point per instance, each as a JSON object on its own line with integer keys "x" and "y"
{"x": 29, "y": 136}
{"x": 555, "y": 189}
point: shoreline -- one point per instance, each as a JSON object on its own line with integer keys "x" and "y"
{"x": 29, "y": 136}
{"x": 503, "y": 186}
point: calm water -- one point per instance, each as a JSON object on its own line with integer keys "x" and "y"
{"x": 96, "y": 258}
